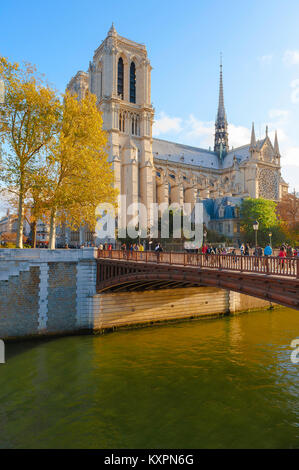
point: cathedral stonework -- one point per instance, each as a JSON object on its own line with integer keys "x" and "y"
{"x": 268, "y": 182}
{"x": 149, "y": 170}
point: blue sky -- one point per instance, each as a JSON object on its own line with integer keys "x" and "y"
{"x": 259, "y": 41}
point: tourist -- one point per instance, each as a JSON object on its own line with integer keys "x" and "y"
{"x": 246, "y": 250}
{"x": 141, "y": 249}
{"x": 282, "y": 254}
{"x": 242, "y": 249}
{"x": 289, "y": 251}
{"x": 124, "y": 250}
{"x": 268, "y": 250}
{"x": 204, "y": 249}
{"x": 100, "y": 249}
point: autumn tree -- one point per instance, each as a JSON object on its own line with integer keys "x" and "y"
{"x": 79, "y": 175}
{"x": 28, "y": 122}
{"x": 288, "y": 209}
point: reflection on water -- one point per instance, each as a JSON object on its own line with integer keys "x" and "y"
{"x": 225, "y": 383}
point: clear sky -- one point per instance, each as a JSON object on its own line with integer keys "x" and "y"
{"x": 259, "y": 41}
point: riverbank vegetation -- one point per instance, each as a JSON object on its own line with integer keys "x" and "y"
{"x": 277, "y": 222}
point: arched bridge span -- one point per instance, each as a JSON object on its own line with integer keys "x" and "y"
{"x": 265, "y": 278}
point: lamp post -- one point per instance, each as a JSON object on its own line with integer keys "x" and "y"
{"x": 270, "y": 237}
{"x": 255, "y": 228}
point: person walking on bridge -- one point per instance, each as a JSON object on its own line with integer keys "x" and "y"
{"x": 282, "y": 255}
{"x": 268, "y": 250}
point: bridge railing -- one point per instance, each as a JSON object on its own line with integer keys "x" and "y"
{"x": 252, "y": 264}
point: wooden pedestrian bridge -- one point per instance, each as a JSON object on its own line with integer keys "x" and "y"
{"x": 268, "y": 278}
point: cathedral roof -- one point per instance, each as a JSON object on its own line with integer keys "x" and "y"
{"x": 184, "y": 154}
{"x": 241, "y": 153}
{"x": 179, "y": 153}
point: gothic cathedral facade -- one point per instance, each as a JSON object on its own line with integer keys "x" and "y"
{"x": 153, "y": 170}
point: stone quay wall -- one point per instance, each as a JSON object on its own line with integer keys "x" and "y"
{"x": 53, "y": 292}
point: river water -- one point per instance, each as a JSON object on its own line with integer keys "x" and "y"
{"x": 225, "y": 383}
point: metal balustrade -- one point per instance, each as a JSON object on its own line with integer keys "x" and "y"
{"x": 268, "y": 265}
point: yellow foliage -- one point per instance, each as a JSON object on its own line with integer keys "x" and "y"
{"x": 79, "y": 176}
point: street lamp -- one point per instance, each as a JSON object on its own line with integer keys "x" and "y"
{"x": 255, "y": 228}
{"x": 270, "y": 236}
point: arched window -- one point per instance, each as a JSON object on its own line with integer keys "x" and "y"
{"x": 132, "y": 83}
{"x": 120, "y": 78}
{"x": 121, "y": 122}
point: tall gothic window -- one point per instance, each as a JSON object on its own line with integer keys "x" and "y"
{"x": 132, "y": 83}
{"x": 120, "y": 78}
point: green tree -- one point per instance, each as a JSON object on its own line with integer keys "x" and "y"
{"x": 263, "y": 211}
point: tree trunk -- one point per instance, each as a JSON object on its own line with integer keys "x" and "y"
{"x": 52, "y": 235}
{"x": 20, "y": 221}
{"x": 33, "y": 230}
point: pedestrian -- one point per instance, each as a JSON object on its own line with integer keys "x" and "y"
{"x": 204, "y": 249}
{"x": 282, "y": 254}
{"x": 289, "y": 251}
{"x": 268, "y": 250}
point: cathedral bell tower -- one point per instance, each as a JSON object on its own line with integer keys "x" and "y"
{"x": 120, "y": 76}
{"x": 221, "y": 134}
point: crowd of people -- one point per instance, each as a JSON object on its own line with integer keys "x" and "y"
{"x": 285, "y": 251}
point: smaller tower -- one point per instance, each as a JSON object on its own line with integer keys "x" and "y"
{"x": 221, "y": 134}
{"x": 276, "y": 146}
{"x": 253, "y": 139}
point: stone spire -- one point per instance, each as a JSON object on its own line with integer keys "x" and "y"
{"x": 112, "y": 31}
{"x": 221, "y": 135}
{"x": 276, "y": 146}
{"x": 253, "y": 140}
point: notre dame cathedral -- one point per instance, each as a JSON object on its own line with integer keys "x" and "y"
{"x": 153, "y": 170}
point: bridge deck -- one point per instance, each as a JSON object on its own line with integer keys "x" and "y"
{"x": 269, "y": 266}
{"x": 268, "y": 278}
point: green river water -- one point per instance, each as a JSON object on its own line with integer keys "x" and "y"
{"x": 225, "y": 383}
